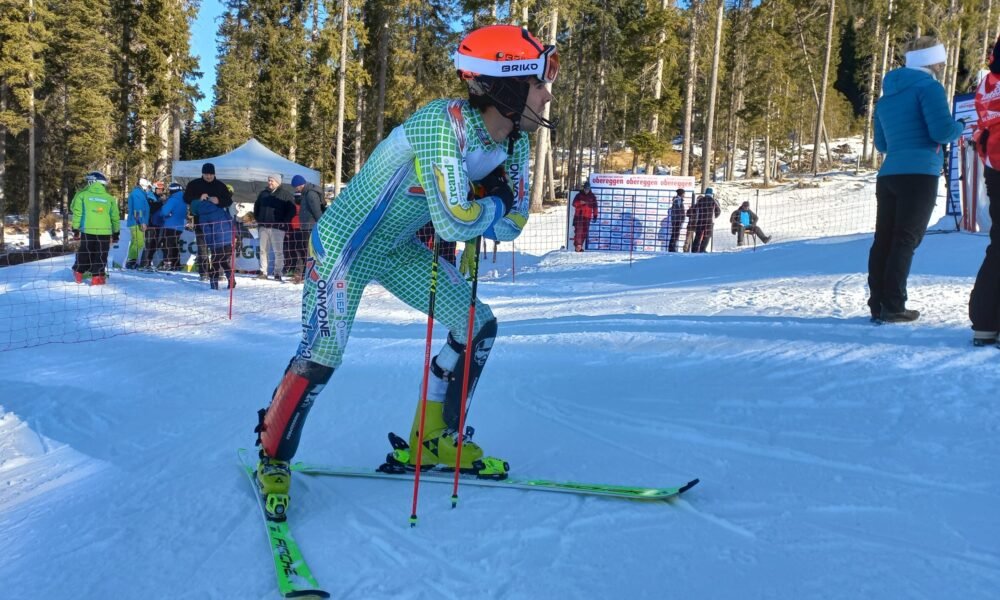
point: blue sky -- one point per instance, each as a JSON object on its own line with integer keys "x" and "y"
{"x": 203, "y": 46}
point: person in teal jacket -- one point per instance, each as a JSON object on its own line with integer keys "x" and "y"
{"x": 913, "y": 122}
{"x": 137, "y": 220}
{"x": 96, "y": 224}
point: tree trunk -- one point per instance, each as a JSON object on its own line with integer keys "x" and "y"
{"x": 706, "y": 151}
{"x": 822, "y": 90}
{"x": 575, "y": 139}
{"x": 870, "y": 99}
{"x": 3, "y": 163}
{"x": 873, "y": 159}
{"x": 359, "y": 110}
{"x": 383, "y": 57}
{"x": 542, "y": 140}
{"x": 34, "y": 242}
{"x": 658, "y": 75}
{"x": 987, "y": 24}
{"x": 341, "y": 83}
{"x": 689, "y": 85}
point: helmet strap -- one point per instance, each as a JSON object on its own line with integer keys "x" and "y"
{"x": 514, "y": 135}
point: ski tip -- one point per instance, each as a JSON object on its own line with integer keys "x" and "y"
{"x": 688, "y": 486}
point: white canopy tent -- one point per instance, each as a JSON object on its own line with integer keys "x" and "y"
{"x": 246, "y": 169}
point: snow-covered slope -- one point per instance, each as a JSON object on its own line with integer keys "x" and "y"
{"x": 838, "y": 459}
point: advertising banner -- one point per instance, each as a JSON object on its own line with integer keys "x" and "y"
{"x": 634, "y": 211}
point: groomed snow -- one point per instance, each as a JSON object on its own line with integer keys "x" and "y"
{"x": 837, "y": 459}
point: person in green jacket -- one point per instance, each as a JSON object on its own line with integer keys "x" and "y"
{"x": 96, "y": 224}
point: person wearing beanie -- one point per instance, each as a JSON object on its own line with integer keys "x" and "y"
{"x": 206, "y": 188}
{"x": 702, "y": 217}
{"x": 309, "y": 211}
{"x": 912, "y": 122}
{"x": 984, "y": 302}
{"x": 273, "y": 211}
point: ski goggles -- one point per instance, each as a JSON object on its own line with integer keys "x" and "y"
{"x": 545, "y": 67}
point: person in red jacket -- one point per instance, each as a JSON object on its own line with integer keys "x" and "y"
{"x": 984, "y": 302}
{"x": 584, "y": 213}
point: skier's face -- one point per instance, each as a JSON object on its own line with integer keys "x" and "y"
{"x": 538, "y": 97}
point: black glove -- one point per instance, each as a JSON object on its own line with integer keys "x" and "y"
{"x": 114, "y": 238}
{"x": 496, "y": 185}
{"x": 76, "y": 234}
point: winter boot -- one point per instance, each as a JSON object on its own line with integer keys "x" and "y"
{"x": 98, "y": 280}
{"x": 77, "y": 277}
{"x": 277, "y": 277}
{"x": 440, "y": 447}
{"x": 274, "y": 477}
{"x": 984, "y": 338}
{"x": 904, "y": 316}
{"x": 213, "y": 283}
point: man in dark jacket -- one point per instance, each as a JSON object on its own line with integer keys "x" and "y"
{"x": 310, "y": 210}
{"x": 676, "y": 219}
{"x": 273, "y": 211}
{"x": 702, "y": 216}
{"x": 207, "y": 187}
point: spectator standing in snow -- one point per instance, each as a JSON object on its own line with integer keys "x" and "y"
{"x": 95, "y": 224}
{"x": 984, "y": 303}
{"x": 137, "y": 220}
{"x": 205, "y": 188}
{"x": 584, "y": 213}
{"x": 217, "y": 231}
{"x": 743, "y": 221}
{"x": 273, "y": 211}
{"x": 174, "y": 215}
{"x": 676, "y": 219}
{"x": 154, "y": 228}
{"x": 912, "y": 123}
{"x": 702, "y": 216}
{"x": 310, "y": 210}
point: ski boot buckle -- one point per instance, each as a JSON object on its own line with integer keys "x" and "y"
{"x": 276, "y": 506}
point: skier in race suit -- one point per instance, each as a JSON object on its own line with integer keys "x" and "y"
{"x": 423, "y": 171}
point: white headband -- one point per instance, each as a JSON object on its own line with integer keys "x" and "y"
{"x": 926, "y": 57}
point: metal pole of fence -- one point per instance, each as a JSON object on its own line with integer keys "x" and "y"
{"x": 631, "y": 233}
{"x": 231, "y": 275}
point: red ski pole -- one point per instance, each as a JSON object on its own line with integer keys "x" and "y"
{"x": 427, "y": 370}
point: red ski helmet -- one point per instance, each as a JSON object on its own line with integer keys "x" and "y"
{"x": 498, "y": 62}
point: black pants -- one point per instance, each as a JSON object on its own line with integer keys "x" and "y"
{"x": 153, "y": 236}
{"x": 702, "y": 237}
{"x": 984, "y": 303}
{"x": 220, "y": 262}
{"x": 202, "y": 260}
{"x": 170, "y": 246}
{"x": 905, "y": 204}
{"x": 92, "y": 255}
{"x": 295, "y": 251}
{"x": 675, "y": 236}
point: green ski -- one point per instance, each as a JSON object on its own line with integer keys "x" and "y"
{"x": 447, "y": 476}
{"x": 295, "y": 580}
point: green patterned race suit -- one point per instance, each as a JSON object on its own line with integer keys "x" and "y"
{"x": 422, "y": 172}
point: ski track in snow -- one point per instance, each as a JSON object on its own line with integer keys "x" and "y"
{"x": 838, "y": 459}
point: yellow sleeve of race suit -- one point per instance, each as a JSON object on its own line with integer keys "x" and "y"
{"x": 436, "y": 133}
